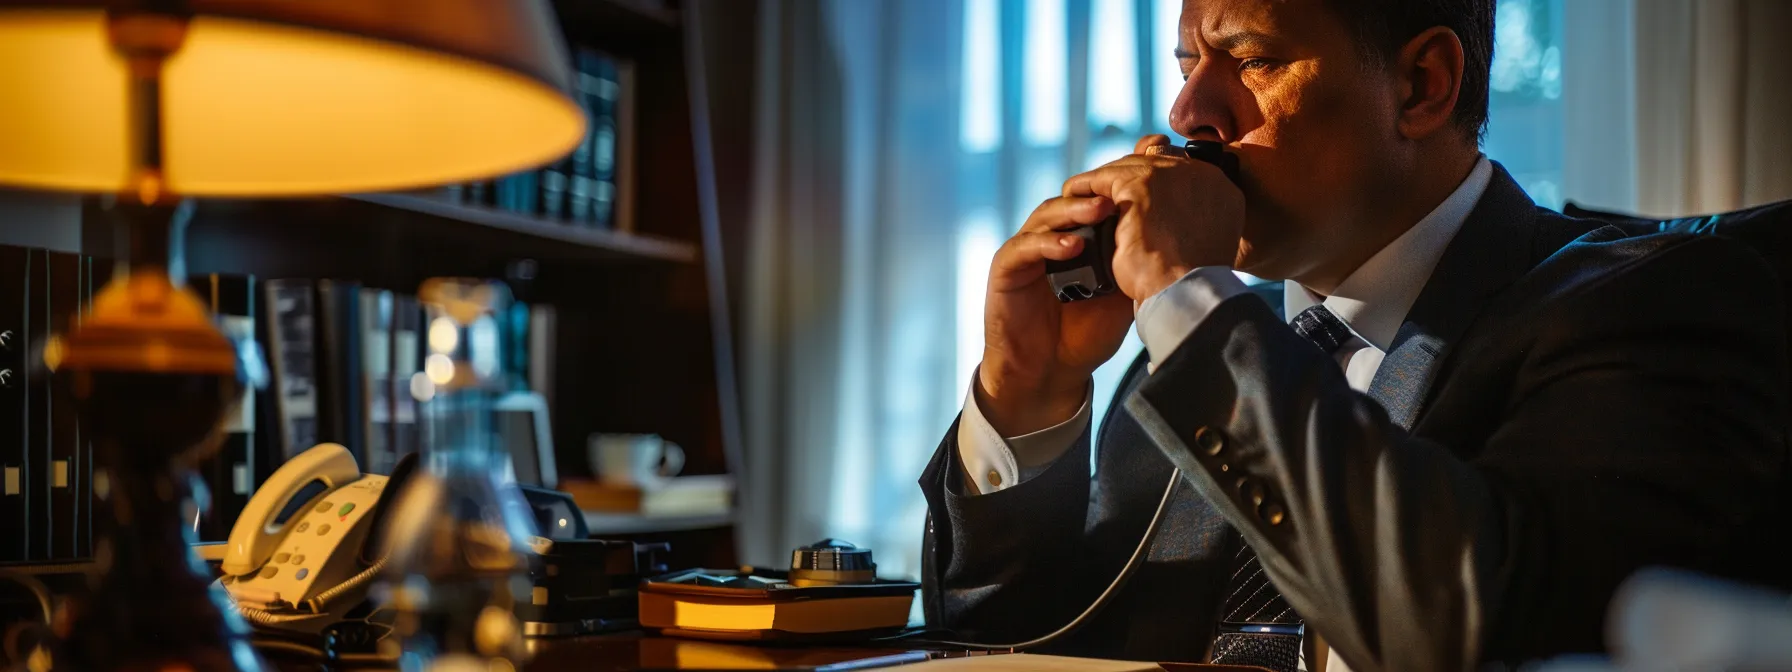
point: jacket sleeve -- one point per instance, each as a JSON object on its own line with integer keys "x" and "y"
{"x": 1646, "y": 415}
{"x": 1001, "y": 567}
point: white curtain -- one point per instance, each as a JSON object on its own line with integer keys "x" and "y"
{"x": 1678, "y": 107}
{"x": 847, "y": 335}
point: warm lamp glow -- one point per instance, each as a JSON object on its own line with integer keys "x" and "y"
{"x": 255, "y": 108}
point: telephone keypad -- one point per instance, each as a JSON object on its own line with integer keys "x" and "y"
{"x": 269, "y": 572}
{"x": 322, "y": 507}
{"x": 281, "y": 557}
{"x": 299, "y": 560}
{"x": 303, "y": 525}
{"x": 323, "y": 529}
{"x": 303, "y": 572}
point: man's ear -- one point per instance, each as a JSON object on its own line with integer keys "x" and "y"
{"x": 1430, "y": 72}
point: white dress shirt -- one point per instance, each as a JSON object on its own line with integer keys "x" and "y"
{"x": 1372, "y": 301}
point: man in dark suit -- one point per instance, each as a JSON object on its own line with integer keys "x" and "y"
{"x": 1477, "y": 419}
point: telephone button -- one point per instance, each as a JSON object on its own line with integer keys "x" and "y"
{"x": 303, "y": 572}
{"x": 269, "y": 572}
{"x": 303, "y": 526}
{"x": 322, "y": 507}
{"x": 281, "y": 557}
{"x": 298, "y": 560}
{"x": 345, "y": 509}
{"x": 323, "y": 529}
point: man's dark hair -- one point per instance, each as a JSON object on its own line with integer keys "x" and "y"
{"x": 1382, "y": 27}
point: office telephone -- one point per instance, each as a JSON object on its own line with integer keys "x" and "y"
{"x": 304, "y": 551}
{"x": 1091, "y": 273}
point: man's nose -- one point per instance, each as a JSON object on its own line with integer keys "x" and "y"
{"x": 1203, "y": 108}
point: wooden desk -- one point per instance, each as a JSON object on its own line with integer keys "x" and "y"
{"x": 637, "y": 652}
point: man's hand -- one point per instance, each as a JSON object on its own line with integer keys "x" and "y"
{"x": 1038, "y": 353}
{"x": 1176, "y": 214}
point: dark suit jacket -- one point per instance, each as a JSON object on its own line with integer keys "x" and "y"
{"x": 1553, "y": 414}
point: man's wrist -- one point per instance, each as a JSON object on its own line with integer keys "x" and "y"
{"x": 1018, "y": 410}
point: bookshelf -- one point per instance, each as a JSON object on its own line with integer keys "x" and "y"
{"x": 600, "y": 242}
{"x": 642, "y": 328}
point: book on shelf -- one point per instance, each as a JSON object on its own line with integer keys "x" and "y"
{"x": 605, "y": 90}
{"x": 407, "y": 362}
{"x": 39, "y": 389}
{"x": 15, "y": 347}
{"x": 478, "y": 193}
{"x": 376, "y": 306}
{"x": 292, "y": 357}
{"x": 553, "y": 189}
{"x": 230, "y": 474}
{"x": 680, "y": 496}
{"x": 341, "y": 406}
{"x": 46, "y": 464}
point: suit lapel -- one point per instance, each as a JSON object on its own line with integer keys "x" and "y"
{"x": 1496, "y": 245}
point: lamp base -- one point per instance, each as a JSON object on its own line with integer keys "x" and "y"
{"x": 153, "y": 380}
{"x": 152, "y": 608}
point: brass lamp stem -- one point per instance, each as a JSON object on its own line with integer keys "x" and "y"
{"x": 153, "y": 381}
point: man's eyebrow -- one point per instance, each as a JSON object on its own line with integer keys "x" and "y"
{"x": 1241, "y": 39}
{"x": 1232, "y": 41}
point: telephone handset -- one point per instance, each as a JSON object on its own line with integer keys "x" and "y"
{"x": 1091, "y": 273}
{"x": 295, "y": 559}
{"x": 256, "y": 533}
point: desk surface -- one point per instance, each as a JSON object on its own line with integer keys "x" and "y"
{"x": 633, "y": 651}
{"x": 636, "y": 652}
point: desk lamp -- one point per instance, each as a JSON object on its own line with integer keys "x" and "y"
{"x": 152, "y": 101}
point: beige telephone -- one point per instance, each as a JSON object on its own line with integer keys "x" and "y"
{"x": 305, "y": 571}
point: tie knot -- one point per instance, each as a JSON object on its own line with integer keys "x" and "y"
{"x": 1323, "y": 328}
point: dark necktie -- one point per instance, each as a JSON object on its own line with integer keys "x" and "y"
{"x": 1257, "y": 627}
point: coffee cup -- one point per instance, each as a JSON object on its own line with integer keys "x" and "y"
{"x": 643, "y": 461}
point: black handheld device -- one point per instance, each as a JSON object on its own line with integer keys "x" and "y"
{"x": 1091, "y": 273}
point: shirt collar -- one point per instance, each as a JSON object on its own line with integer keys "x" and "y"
{"x": 1375, "y": 297}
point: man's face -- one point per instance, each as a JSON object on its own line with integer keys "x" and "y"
{"x": 1312, "y": 120}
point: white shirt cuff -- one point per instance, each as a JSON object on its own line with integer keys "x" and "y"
{"x": 1168, "y": 317}
{"x": 992, "y": 462}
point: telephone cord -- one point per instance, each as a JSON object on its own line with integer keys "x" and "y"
{"x": 1132, "y": 565}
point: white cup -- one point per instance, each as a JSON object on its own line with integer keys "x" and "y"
{"x": 643, "y": 461}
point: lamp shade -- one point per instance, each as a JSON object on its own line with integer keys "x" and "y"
{"x": 289, "y": 97}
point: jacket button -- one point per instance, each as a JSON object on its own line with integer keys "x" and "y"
{"x": 1210, "y": 440}
{"x": 1271, "y": 512}
{"x": 1250, "y": 491}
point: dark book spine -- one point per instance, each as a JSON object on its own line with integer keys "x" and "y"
{"x": 230, "y": 473}
{"x": 603, "y": 141}
{"x": 15, "y": 346}
{"x": 292, "y": 355}
{"x": 95, "y": 274}
{"x": 581, "y": 182}
{"x": 407, "y": 361}
{"x": 376, "y": 381}
{"x": 479, "y": 193}
{"x": 37, "y": 414}
{"x": 64, "y": 438}
{"x": 527, "y": 192}
{"x": 553, "y": 190}
{"x": 340, "y": 404}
